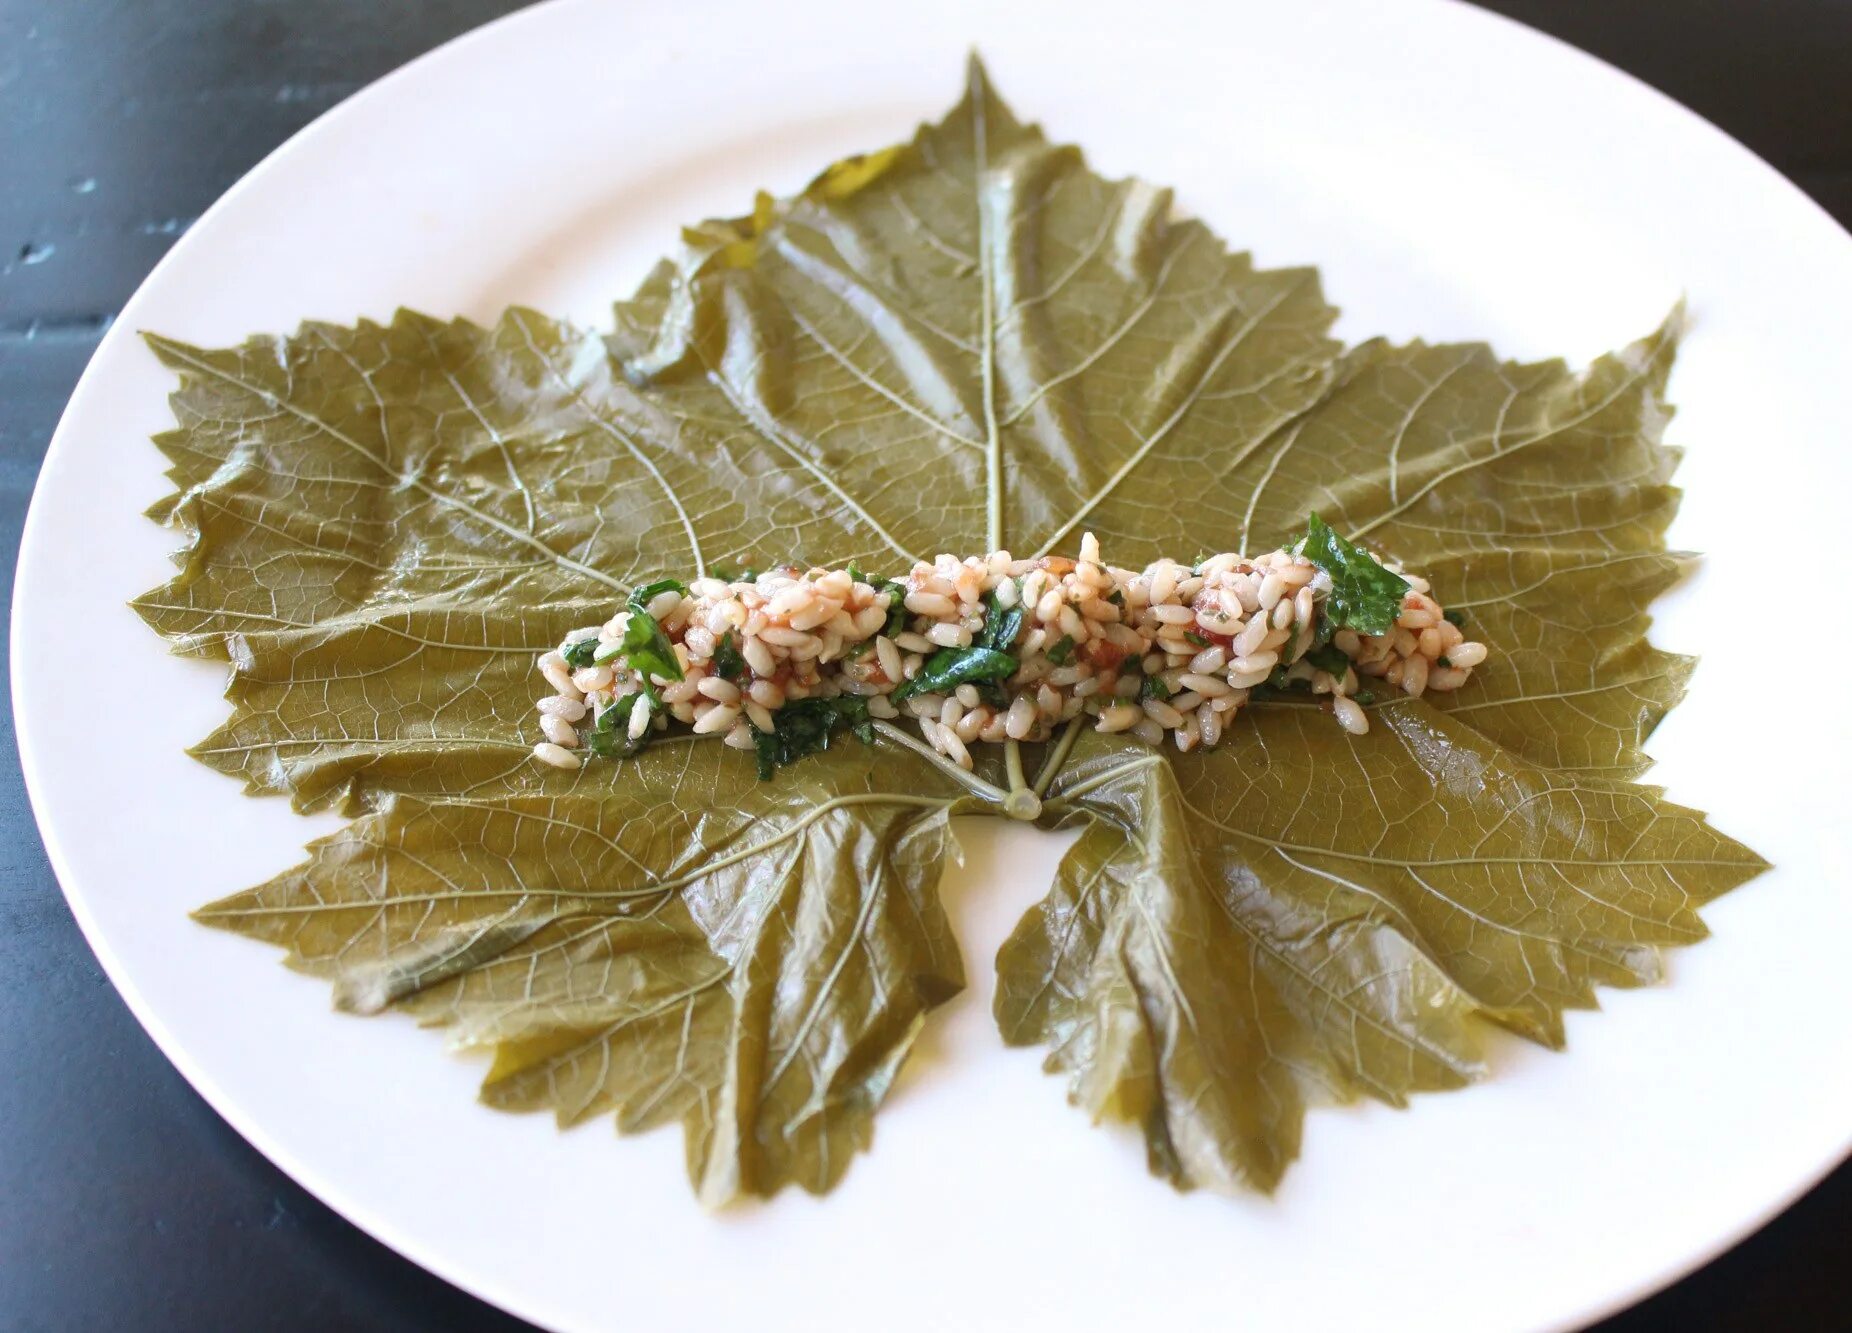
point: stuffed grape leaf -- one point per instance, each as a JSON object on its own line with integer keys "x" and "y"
{"x": 965, "y": 342}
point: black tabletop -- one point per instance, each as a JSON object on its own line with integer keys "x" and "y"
{"x": 125, "y": 1202}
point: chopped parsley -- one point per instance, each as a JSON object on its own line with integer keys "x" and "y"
{"x": 896, "y": 607}
{"x": 1329, "y": 660}
{"x": 609, "y": 738}
{"x": 949, "y": 668}
{"x": 646, "y": 647}
{"x": 1277, "y": 684}
{"x": 1063, "y": 651}
{"x": 896, "y": 622}
{"x": 644, "y": 644}
{"x": 1001, "y": 626}
{"x": 649, "y": 592}
{"x": 1196, "y": 638}
{"x": 1154, "y": 688}
{"x": 1364, "y": 596}
{"x": 807, "y": 726}
{"x": 728, "y": 664}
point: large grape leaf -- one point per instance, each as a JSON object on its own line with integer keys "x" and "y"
{"x": 1237, "y": 934}
{"x": 388, "y": 524}
{"x": 751, "y": 960}
{"x": 997, "y": 346}
{"x": 964, "y": 342}
{"x": 1354, "y": 904}
{"x": 1537, "y": 501}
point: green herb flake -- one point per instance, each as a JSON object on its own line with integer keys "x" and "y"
{"x": 1001, "y": 625}
{"x": 1278, "y": 683}
{"x": 649, "y": 592}
{"x": 646, "y": 647}
{"x": 1154, "y": 688}
{"x": 896, "y": 608}
{"x": 609, "y": 737}
{"x": 949, "y": 668}
{"x": 1364, "y": 596}
{"x": 1063, "y": 650}
{"x": 1329, "y": 660}
{"x": 1196, "y": 638}
{"x": 728, "y": 664}
{"x": 807, "y": 726}
{"x": 580, "y": 654}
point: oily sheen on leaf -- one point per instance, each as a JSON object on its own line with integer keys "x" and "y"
{"x": 965, "y": 342}
{"x": 1238, "y": 934}
{"x": 751, "y": 960}
{"x": 1537, "y": 500}
{"x": 988, "y": 344}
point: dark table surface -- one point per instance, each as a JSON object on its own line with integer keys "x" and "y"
{"x": 125, "y": 1202}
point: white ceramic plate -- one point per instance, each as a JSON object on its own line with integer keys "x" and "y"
{"x": 1454, "y": 176}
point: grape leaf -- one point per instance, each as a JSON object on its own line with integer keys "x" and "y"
{"x": 998, "y": 345}
{"x": 1536, "y": 500}
{"x": 1238, "y": 934}
{"x": 754, "y": 966}
{"x": 960, "y": 343}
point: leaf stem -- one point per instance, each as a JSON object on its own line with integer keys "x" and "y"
{"x": 1022, "y": 803}
{"x": 989, "y": 791}
{"x": 993, "y": 435}
{"x": 1099, "y": 780}
{"x": 1056, "y": 757}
